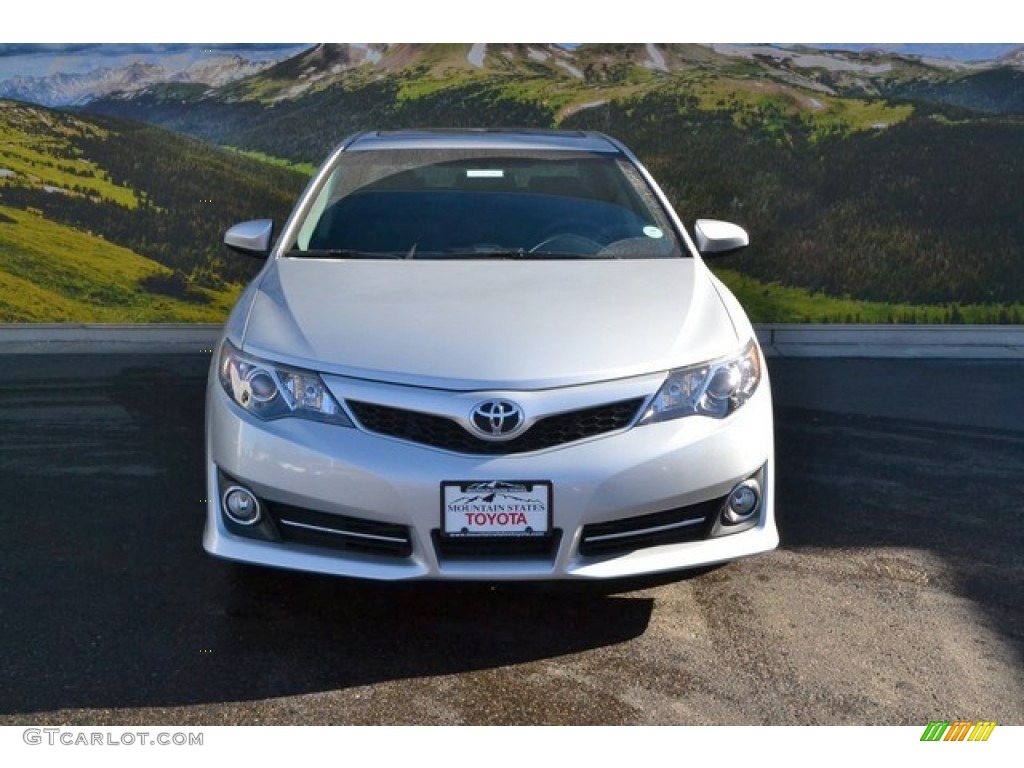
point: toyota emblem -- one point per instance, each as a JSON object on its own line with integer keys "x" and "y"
{"x": 496, "y": 419}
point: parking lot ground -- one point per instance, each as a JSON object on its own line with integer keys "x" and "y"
{"x": 895, "y": 598}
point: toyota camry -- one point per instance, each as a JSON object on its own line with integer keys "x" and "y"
{"x": 487, "y": 355}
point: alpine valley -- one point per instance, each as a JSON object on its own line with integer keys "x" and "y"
{"x": 877, "y": 186}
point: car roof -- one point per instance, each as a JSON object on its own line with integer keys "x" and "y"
{"x": 483, "y": 138}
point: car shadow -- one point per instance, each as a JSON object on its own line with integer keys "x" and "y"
{"x": 110, "y": 602}
{"x": 948, "y": 481}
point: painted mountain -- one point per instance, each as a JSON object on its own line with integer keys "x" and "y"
{"x": 877, "y": 185}
{"x": 103, "y": 220}
{"x": 69, "y": 75}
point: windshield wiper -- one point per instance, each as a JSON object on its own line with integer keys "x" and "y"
{"x": 470, "y": 255}
{"x": 340, "y": 253}
{"x": 518, "y": 253}
{"x": 570, "y": 256}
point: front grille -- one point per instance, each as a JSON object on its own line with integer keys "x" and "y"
{"x": 691, "y": 523}
{"x": 447, "y": 434}
{"x": 496, "y": 547}
{"x": 323, "y": 529}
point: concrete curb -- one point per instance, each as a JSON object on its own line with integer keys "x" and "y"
{"x": 75, "y": 338}
{"x": 982, "y": 342}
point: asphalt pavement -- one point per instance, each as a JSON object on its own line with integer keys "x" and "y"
{"x": 895, "y": 598}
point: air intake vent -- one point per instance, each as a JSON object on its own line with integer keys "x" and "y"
{"x": 691, "y": 523}
{"x": 322, "y": 529}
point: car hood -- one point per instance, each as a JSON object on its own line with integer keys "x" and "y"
{"x": 488, "y": 324}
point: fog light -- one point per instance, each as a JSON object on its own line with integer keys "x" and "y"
{"x": 241, "y": 506}
{"x": 743, "y": 502}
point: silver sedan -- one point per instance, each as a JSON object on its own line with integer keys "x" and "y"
{"x": 487, "y": 355}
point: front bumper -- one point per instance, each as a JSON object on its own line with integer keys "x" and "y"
{"x": 662, "y": 473}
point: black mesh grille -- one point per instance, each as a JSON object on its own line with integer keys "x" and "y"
{"x": 323, "y": 529}
{"x": 442, "y": 432}
{"x": 691, "y": 523}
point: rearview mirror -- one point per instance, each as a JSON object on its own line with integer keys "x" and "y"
{"x": 251, "y": 238}
{"x": 716, "y": 237}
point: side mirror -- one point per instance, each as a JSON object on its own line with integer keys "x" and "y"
{"x": 715, "y": 237}
{"x": 251, "y": 238}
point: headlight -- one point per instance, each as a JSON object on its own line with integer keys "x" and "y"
{"x": 712, "y": 389}
{"x": 272, "y": 391}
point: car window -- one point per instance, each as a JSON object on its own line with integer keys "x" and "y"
{"x": 471, "y": 203}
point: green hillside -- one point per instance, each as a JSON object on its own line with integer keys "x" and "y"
{"x": 998, "y": 91}
{"x": 876, "y": 187}
{"x": 37, "y": 149}
{"x": 302, "y": 107}
{"x": 771, "y": 302}
{"x": 53, "y": 273}
{"x": 924, "y": 212}
{"x": 857, "y": 175}
{"x": 105, "y": 220}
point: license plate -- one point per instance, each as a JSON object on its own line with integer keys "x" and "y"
{"x": 496, "y": 508}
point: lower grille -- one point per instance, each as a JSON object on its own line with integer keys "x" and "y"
{"x": 447, "y": 434}
{"x": 322, "y": 529}
{"x": 673, "y": 526}
{"x": 496, "y": 547}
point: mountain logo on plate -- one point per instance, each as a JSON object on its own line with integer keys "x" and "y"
{"x": 496, "y": 508}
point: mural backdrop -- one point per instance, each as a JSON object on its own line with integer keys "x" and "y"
{"x": 878, "y": 186}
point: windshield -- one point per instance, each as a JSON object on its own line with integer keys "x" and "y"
{"x": 472, "y": 203}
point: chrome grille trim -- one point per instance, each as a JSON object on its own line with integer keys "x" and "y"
{"x": 340, "y": 532}
{"x": 645, "y": 531}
